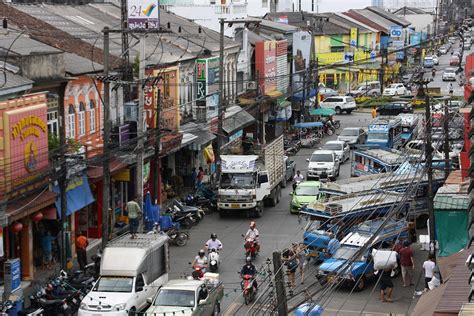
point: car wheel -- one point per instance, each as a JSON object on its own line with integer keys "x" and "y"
{"x": 348, "y": 111}
{"x": 338, "y": 110}
{"x": 131, "y": 312}
{"x": 360, "y": 285}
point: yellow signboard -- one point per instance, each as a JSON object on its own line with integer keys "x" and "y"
{"x": 333, "y": 58}
{"x": 354, "y": 36}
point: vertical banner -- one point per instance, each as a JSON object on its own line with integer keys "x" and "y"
{"x": 354, "y": 37}
{"x": 208, "y": 77}
{"x": 265, "y": 64}
{"x": 282, "y": 79}
{"x": 1, "y": 242}
{"x": 301, "y": 58}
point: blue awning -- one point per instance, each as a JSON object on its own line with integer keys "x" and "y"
{"x": 299, "y": 95}
{"x": 78, "y": 194}
{"x": 308, "y": 124}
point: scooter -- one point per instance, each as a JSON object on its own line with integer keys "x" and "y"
{"x": 197, "y": 273}
{"x": 213, "y": 260}
{"x": 248, "y": 291}
{"x": 177, "y": 237}
{"x": 250, "y": 248}
{"x": 5, "y": 307}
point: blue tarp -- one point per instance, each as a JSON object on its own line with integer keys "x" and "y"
{"x": 302, "y": 310}
{"x": 151, "y": 212}
{"x": 299, "y": 95}
{"x": 78, "y": 195}
{"x": 308, "y": 124}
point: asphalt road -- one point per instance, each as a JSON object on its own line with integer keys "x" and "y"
{"x": 278, "y": 228}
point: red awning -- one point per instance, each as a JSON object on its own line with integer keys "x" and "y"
{"x": 22, "y": 207}
{"x": 96, "y": 172}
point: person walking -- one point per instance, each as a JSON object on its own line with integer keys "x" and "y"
{"x": 134, "y": 215}
{"x": 290, "y": 259}
{"x": 302, "y": 253}
{"x": 428, "y": 267}
{"x": 374, "y": 112}
{"x": 47, "y": 245}
{"x": 407, "y": 264}
{"x": 451, "y": 88}
{"x": 81, "y": 250}
{"x": 386, "y": 285}
{"x": 194, "y": 177}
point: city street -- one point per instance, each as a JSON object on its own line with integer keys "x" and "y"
{"x": 278, "y": 228}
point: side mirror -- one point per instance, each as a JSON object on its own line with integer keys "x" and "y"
{"x": 307, "y": 159}
{"x": 139, "y": 288}
{"x": 149, "y": 300}
{"x": 202, "y": 302}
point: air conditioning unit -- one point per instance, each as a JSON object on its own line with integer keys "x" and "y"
{"x": 252, "y": 85}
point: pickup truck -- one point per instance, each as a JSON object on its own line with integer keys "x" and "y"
{"x": 188, "y": 297}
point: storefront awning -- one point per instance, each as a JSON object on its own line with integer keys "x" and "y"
{"x": 96, "y": 172}
{"x": 237, "y": 121}
{"x": 274, "y": 93}
{"x": 78, "y": 195}
{"x": 203, "y": 136}
{"x": 188, "y": 138}
{"x": 24, "y": 206}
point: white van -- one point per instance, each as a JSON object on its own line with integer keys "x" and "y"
{"x": 131, "y": 271}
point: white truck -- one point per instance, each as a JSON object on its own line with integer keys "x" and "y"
{"x": 131, "y": 271}
{"x": 189, "y": 297}
{"x": 247, "y": 181}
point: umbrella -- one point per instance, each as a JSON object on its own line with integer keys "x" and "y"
{"x": 322, "y": 112}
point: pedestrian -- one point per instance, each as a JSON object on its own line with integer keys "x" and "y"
{"x": 386, "y": 285}
{"x": 407, "y": 264}
{"x": 297, "y": 178}
{"x": 47, "y": 245}
{"x": 451, "y": 88}
{"x": 302, "y": 252}
{"x": 194, "y": 177}
{"x": 333, "y": 245}
{"x": 291, "y": 261}
{"x": 200, "y": 177}
{"x": 81, "y": 250}
{"x": 134, "y": 215}
{"x": 374, "y": 112}
{"x": 428, "y": 267}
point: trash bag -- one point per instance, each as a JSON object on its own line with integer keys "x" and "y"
{"x": 384, "y": 259}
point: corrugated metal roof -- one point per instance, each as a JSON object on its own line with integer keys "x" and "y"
{"x": 14, "y": 83}
{"x": 361, "y": 18}
{"x": 299, "y": 19}
{"x": 343, "y": 22}
{"x": 386, "y": 23}
{"x": 409, "y": 11}
{"x": 23, "y": 45}
{"x": 77, "y": 65}
{"x": 389, "y": 16}
{"x": 278, "y": 26}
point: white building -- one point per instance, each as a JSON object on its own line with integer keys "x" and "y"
{"x": 392, "y": 5}
{"x": 420, "y": 20}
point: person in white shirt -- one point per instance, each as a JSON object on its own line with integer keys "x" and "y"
{"x": 213, "y": 243}
{"x": 298, "y": 177}
{"x": 200, "y": 261}
{"x": 252, "y": 233}
{"x": 428, "y": 267}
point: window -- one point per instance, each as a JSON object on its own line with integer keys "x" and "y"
{"x": 91, "y": 116}
{"x": 53, "y": 123}
{"x": 139, "y": 283}
{"x": 82, "y": 119}
{"x": 71, "y": 122}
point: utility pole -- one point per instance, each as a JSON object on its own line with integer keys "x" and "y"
{"x": 429, "y": 166}
{"x": 280, "y": 284}
{"x": 316, "y": 82}
{"x": 382, "y": 70}
{"x": 106, "y": 158}
{"x": 140, "y": 123}
{"x": 446, "y": 139}
{"x": 157, "y": 159}
{"x": 220, "y": 107}
{"x": 62, "y": 182}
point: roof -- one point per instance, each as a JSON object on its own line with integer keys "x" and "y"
{"x": 278, "y": 26}
{"x": 14, "y": 83}
{"x": 387, "y": 155}
{"x": 361, "y": 18}
{"x": 350, "y": 203}
{"x": 340, "y": 20}
{"x": 300, "y": 19}
{"x": 409, "y": 11}
{"x": 358, "y": 23}
{"x": 389, "y": 16}
{"x": 77, "y": 65}
{"x": 236, "y": 120}
{"x": 26, "y": 205}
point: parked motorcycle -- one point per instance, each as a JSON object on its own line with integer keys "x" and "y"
{"x": 200, "y": 201}
{"x": 185, "y": 220}
{"x": 196, "y": 212}
{"x": 213, "y": 258}
{"x": 248, "y": 291}
{"x": 5, "y": 306}
{"x": 177, "y": 237}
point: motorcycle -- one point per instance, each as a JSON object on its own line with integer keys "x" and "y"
{"x": 197, "y": 273}
{"x": 178, "y": 237}
{"x": 213, "y": 260}
{"x": 196, "y": 212}
{"x": 185, "y": 220}
{"x": 199, "y": 201}
{"x": 250, "y": 248}
{"x": 248, "y": 291}
{"x": 5, "y": 307}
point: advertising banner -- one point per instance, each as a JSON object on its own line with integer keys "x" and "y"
{"x": 396, "y": 31}
{"x": 208, "y": 77}
{"x": 143, "y": 14}
{"x": 398, "y": 47}
{"x": 169, "y": 96}
{"x": 354, "y": 36}
{"x": 282, "y": 79}
{"x": 265, "y": 65}
{"x": 301, "y": 58}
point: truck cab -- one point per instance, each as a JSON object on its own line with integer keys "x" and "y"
{"x": 188, "y": 297}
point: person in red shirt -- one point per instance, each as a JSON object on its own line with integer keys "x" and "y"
{"x": 407, "y": 264}
{"x": 81, "y": 250}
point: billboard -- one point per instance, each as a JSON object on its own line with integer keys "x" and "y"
{"x": 301, "y": 58}
{"x": 265, "y": 65}
{"x": 282, "y": 79}
{"x": 354, "y": 36}
{"x": 143, "y": 14}
{"x": 208, "y": 76}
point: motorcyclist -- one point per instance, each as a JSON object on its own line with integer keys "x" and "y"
{"x": 214, "y": 243}
{"x": 200, "y": 261}
{"x": 433, "y": 72}
{"x": 253, "y": 234}
{"x": 249, "y": 269}
{"x": 297, "y": 179}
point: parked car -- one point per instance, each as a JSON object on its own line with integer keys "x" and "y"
{"x": 454, "y": 60}
{"x": 428, "y": 62}
{"x": 395, "y": 108}
{"x": 323, "y": 163}
{"x": 443, "y": 50}
{"x": 341, "y": 149}
{"x": 339, "y": 104}
{"x": 449, "y": 74}
{"x": 327, "y": 92}
{"x": 407, "y": 78}
{"x": 353, "y": 135}
{"x": 304, "y": 193}
{"x": 435, "y": 59}
{"x": 368, "y": 88}
{"x": 395, "y": 89}
{"x": 467, "y": 44}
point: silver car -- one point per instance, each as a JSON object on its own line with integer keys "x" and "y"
{"x": 353, "y": 136}
{"x": 449, "y": 74}
{"x": 340, "y": 148}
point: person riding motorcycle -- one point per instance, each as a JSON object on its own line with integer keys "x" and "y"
{"x": 213, "y": 243}
{"x": 249, "y": 269}
{"x": 253, "y": 234}
{"x": 200, "y": 261}
{"x": 433, "y": 72}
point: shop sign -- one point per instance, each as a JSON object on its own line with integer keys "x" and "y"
{"x": 301, "y": 58}
{"x": 236, "y": 135}
{"x": 168, "y": 87}
{"x": 1, "y": 242}
{"x": 398, "y": 47}
{"x": 28, "y": 141}
{"x": 396, "y": 31}
{"x": 143, "y": 14}
{"x": 332, "y": 58}
{"x": 354, "y": 36}
{"x": 265, "y": 65}
{"x": 207, "y": 71}
{"x": 12, "y": 274}
{"x": 124, "y": 175}
{"x": 282, "y": 79}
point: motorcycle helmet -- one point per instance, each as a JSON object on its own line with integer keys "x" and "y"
{"x": 213, "y": 236}
{"x": 201, "y": 253}
{"x": 248, "y": 260}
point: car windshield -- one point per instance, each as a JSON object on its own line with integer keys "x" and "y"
{"x": 181, "y": 298}
{"x": 237, "y": 180}
{"x": 349, "y": 132}
{"x": 450, "y": 71}
{"x": 392, "y": 86}
{"x": 306, "y": 191}
{"x": 377, "y": 136}
{"x": 345, "y": 253}
{"x": 321, "y": 158}
{"x": 114, "y": 284}
{"x": 332, "y": 146}
{"x": 349, "y": 99}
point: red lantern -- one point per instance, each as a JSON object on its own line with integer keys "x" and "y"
{"x": 37, "y": 217}
{"x": 16, "y": 227}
